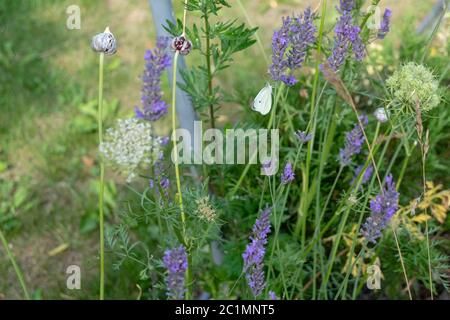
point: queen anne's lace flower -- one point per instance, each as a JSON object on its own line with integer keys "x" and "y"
{"x": 414, "y": 83}
{"x": 129, "y": 145}
{"x": 205, "y": 210}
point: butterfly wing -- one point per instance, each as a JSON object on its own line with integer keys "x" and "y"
{"x": 263, "y": 101}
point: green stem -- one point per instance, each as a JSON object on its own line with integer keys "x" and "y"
{"x": 19, "y": 273}
{"x": 177, "y": 176}
{"x": 102, "y": 179}
{"x": 208, "y": 68}
{"x": 302, "y": 209}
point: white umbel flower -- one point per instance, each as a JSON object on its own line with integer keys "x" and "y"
{"x": 129, "y": 145}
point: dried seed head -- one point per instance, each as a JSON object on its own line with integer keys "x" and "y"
{"x": 205, "y": 210}
{"x": 182, "y": 45}
{"x": 104, "y": 42}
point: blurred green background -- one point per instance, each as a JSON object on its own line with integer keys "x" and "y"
{"x": 48, "y": 91}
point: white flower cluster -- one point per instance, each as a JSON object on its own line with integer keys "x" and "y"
{"x": 129, "y": 145}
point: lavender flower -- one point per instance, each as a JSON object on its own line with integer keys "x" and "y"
{"x": 346, "y": 5}
{"x": 366, "y": 175}
{"x": 272, "y": 295}
{"x": 156, "y": 62}
{"x": 280, "y": 43}
{"x": 298, "y": 33}
{"x": 255, "y": 251}
{"x": 288, "y": 174}
{"x": 175, "y": 261}
{"x": 345, "y": 35}
{"x": 302, "y": 32}
{"x": 302, "y": 136}
{"x": 382, "y": 208}
{"x": 159, "y": 176}
{"x": 385, "y": 23}
{"x": 353, "y": 143}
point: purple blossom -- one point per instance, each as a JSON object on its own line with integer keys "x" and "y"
{"x": 297, "y": 34}
{"x": 288, "y": 174}
{"x": 385, "y": 23}
{"x": 354, "y": 141}
{"x": 272, "y": 295}
{"x": 151, "y": 96}
{"x": 159, "y": 176}
{"x": 302, "y": 136}
{"x": 254, "y": 253}
{"x": 175, "y": 261}
{"x": 346, "y": 34}
{"x": 346, "y": 5}
{"x": 302, "y": 32}
{"x": 382, "y": 208}
{"x": 366, "y": 175}
{"x": 280, "y": 43}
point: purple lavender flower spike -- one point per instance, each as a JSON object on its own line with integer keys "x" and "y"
{"x": 175, "y": 261}
{"x": 302, "y": 32}
{"x": 157, "y": 60}
{"x": 297, "y": 34}
{"x": 346, "y": 5}
{"x": 366, "y": 175}
{"x": 254, "y": 253}
{"x": 280, "y": 43}
{"x": 385, "y": 24}
{"x": 382, "y": 208}
{"x": 354, "y": 141}
{"x": 302, "y": 136}
{"x": 288, "y": 174}
{"x": 346, "y": 34}
{"x": 272, "y": 295}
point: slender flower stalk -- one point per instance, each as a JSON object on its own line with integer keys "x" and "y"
{"x": 17, "y": 270}
{"x": 175, "y": 152}
{"x": 102, "y": 179}
{"x": 103, "y": 43}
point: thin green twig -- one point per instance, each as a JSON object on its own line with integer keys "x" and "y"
{"x": 19, "y": 273}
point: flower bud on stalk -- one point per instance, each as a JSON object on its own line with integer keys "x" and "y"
{"x": 182, "y": 45}
{"x": 104, "y": 42}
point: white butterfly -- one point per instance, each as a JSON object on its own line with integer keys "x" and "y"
{"x": 263, "y": 101}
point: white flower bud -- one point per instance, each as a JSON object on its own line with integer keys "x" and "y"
{"x": 104, "y": 42}
{"x": 381, "y": 115}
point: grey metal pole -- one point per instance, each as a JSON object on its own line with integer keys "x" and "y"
{"x": 162, "y": 11}
{"x": 432, "y": 18}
